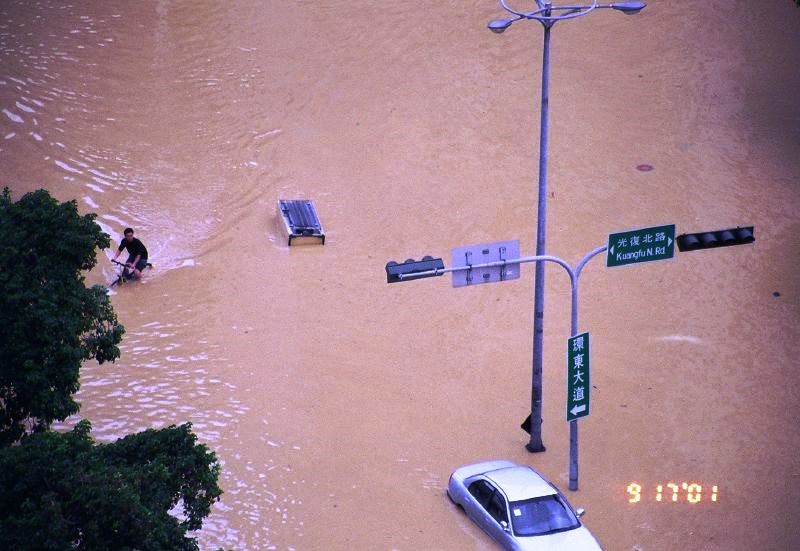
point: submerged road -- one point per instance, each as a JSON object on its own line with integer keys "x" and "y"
{"x": 338, "y": 404}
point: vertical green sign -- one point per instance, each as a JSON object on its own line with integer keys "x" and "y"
{"x": 578, "y": 384}
{"x": 642, "y": 245}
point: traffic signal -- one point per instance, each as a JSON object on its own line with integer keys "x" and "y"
{"x": 718, "y": 238}
{"x": 411, "y": 266}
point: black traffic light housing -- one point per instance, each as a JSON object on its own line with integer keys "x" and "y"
{"x": 411, "y": 266}
{"x": 712, "y": 239}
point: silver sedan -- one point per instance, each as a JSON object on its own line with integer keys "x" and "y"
{"x": 518, "y": 507}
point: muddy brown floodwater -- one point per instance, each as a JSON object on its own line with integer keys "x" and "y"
{"x": 338, "y": 404}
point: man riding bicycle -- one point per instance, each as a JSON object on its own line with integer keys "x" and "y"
{"x": 137, "y": 255}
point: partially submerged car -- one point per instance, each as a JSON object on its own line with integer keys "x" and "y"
{"x": 518, "y": 507}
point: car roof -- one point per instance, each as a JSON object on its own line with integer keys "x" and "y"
{"x": 520, "y": 483}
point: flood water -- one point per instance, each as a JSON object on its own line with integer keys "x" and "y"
{"x": 339, "y": 404}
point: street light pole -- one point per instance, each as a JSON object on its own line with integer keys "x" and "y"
{"x": 536, "y": 444}
{"x": 547, "y": 14}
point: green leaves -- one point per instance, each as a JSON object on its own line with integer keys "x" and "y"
{"x": 100, "y": 338}
{"x": 189, "y": 476}
{"x": 49, "y": 321}
{"x": 63, "y": 491}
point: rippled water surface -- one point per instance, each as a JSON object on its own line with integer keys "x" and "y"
{"x": 339, "y": 405}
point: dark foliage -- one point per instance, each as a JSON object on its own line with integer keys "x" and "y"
{"x": 49, "y": 321}
{"x": 62, "y": 491}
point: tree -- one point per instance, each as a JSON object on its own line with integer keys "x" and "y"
{"x": 49, "y": 321}
{"x": 62, "y": 491}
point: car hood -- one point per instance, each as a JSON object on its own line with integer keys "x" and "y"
{"x": 579, "y": 539}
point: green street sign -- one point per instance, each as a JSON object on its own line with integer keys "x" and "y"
{"x": 578, "y": 384}
{"x": 642, "y": 245}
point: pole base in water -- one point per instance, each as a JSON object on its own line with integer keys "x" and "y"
{"x": 526, "y": 426}
{"x": 534, "y": 449}
{"x": 573, "y": 485}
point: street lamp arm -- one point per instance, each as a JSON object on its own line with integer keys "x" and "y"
{"x": 534, "y": 13}
{"x": 625, "y": 7}
{"x": 587, "y": 258}
{"x": 495, "y": 264}
{"x": 571, "y": 13}
{"x": 519, "y": 13}
{"x": 573, "y": 274}
{"x": 547, "y": 7}
{"x": 549, "y": 13}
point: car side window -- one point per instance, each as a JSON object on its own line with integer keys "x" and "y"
{"x": 497, "y": 507}
{"x": 490, "y": 499}
{"x": 482, "y": 491}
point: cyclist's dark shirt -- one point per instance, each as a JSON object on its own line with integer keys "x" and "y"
{"x": 134, "y": 246}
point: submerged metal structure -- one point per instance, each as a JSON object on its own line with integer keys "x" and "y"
{"x": 300, "y": 219}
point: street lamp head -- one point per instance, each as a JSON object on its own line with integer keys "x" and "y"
{"x": 499, "y": 25}
{"x": 629, "y": 8}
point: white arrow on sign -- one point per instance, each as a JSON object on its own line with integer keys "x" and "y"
{"x": 669, "y": 241}
{"x": 577, "y": 409}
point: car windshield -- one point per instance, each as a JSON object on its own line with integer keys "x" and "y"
{"x": 542, "y": 515}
